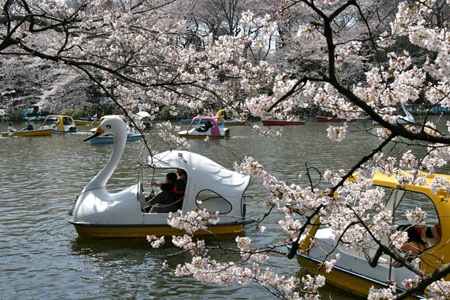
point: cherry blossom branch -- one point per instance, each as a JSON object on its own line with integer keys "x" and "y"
{"x": 425, "y": 282}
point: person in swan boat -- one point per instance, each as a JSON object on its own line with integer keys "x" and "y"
{"x": 163, "y": 201}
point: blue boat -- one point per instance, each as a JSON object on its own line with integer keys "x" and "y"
{"x": 109, "y": 139}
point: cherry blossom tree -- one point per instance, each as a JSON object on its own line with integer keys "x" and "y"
{"x": 348, "y": 57}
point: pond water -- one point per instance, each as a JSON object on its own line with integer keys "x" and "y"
{"x": 42, "y": 255}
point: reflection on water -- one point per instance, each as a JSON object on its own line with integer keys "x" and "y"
{"x": 42, "y": 255}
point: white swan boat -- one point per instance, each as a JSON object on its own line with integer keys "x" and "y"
{"x": 209, "y": 186}
{"x": 407, "y": 119}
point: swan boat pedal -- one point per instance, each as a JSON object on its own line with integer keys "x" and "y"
{"x": 209, "y": 186}
{"x": 352, "y": 271}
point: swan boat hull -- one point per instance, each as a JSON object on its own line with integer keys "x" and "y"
{"x": 135, "y": 230}
{"x": 107, "y": 217}
{"x": 192, "y": 135}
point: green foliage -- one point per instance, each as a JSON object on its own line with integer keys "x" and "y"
{"x": 87, "y": 110}
{"x": 165, "y": 114}
{"x": 16, "y": 115}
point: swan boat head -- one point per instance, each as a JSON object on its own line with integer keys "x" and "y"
{"x": 95, "y": 204}
{"x": 409, "y": 118}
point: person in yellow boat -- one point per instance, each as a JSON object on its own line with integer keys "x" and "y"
{"x": 11, "y": 128}
{"x": 412, "y": 248}
{"x": 131, "y": 130}
{"x": 164, "y": 201}
{"x": 29, "y": 126}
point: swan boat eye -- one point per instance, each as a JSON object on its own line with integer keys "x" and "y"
{"x": 108, "y": 126}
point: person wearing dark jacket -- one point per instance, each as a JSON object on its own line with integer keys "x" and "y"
{"x": 164, "y": 201}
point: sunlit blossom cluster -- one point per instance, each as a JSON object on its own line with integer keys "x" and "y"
{"x": 155, "y": 241}
{"x": 337, "y": 133}
{"x": 193, "y": 221}
{"x": 186, "y": 242}
{"x": 416, "y": 216}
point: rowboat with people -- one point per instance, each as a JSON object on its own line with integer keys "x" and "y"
{"x": 35, "y": 132}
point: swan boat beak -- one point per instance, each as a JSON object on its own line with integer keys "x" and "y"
{"x": 98, "y": 132}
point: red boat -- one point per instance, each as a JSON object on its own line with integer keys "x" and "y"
{"x": 332, "y": 119}
{"x": 281, "y": 122}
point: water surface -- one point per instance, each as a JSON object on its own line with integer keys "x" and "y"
{"x": 43, "y": 257}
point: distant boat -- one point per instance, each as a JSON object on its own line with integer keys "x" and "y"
{"x": 109, "y": 139}
{"x": 59, "y": 124}
{"x": 407, "y": 119}
{"x": 270, "y": 122}
{"x": 332, "y": 119}
{"x": 145, "y": 118}
{"x": 202, "y": 127}
{"x": 228, "y": 119}
{"x": 86, "y": 122}
{"x": 36, "y": 132}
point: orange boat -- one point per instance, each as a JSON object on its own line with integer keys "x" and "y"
{"x": 270, "y": 122}
{"x": 332, "y": 119}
